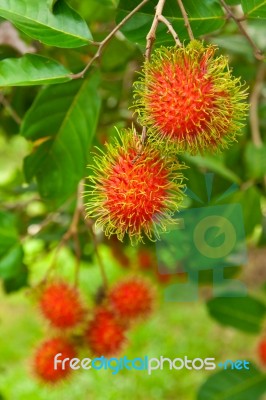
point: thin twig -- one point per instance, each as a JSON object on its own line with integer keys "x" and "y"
{"x": 185, "y": 16}
{"x": 150, "y": 38}
{"x": 254, "y": 102}
{"x": 11, "y": 111}
{"x": 257, "y": 52}
{"x": 99, "y": 259}
{"x": 90, "y": 224}
{"x": 170, "y": 29}
{"x": 72, "y": 232}
{"x": 107, "y": 39}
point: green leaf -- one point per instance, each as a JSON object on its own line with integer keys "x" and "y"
{"x": 251, "y": 208}
{"x": 234, "y": 385}
{"x": 62, "y": 28}
{"x": 51, "y": 4}
{"x": 254, "y": 8}
{"x": 243, "y": 313}
{"x": 61, "y": 123}
{"x": 31, "y": 69}
{"x": 11, "y": 252}
{"x": 255, "y": 158}
{"x": 204, "y": 16}
{"x": 233, "y": 2}
{"x": 214, "y": 164}
{"x": 18, "y": 281}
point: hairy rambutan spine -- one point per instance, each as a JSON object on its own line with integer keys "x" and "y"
{"x": 60, "y": 303}
{"x": 135, "y": 188}
{"x": 189, "y": 98}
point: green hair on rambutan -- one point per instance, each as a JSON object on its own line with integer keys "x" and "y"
{"x": 134, "y": 188}
{"x": 188, "y": 97}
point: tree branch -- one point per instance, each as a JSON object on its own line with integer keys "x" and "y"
{"x": 185, "y": 16}
{"x": 150, "y": 38}
{"x": 106, "y": 40}
{"x": 257, "y": 52}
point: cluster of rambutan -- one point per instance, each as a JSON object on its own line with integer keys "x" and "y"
{"x": 186, "y": 100}
{"x": 102, "y": 330}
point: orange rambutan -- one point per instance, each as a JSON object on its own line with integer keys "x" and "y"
{"x": 44, "y": 365}
{"x": 131, "y": 298}
{"x": 135, "y": 189}
{"x": 262, "y": 351}
{"x": 190, "y": 98}
{"x": 145, "y": 259}
{"x": 105, "y": 335}
{"x": 60, "y": 303}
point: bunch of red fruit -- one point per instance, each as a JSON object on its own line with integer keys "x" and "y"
{"x": 103, "y": 330}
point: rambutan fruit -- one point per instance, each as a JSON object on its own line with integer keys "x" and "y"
{"x": 105, "y": 335}
{"x": 44, "y": 364}
{"x": 131, "y": 298}
{"x": 189, "y": 97}
{"x": 135, "y": 189}
{"x": 60, "y": 303}
{"x": 145, "y": 259}
{"x": 262, "y": 351}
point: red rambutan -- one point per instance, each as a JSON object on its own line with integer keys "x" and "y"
{"x": 190, "y": 97}
{"x": 44, "y": 366}
{"x": 134, "y": 191}
{"x": 61, "y": 305}
{"x": 145, "y": 259}
{"x": 105, "y": 335}
{"x": 131, "y": 298}
{"x": 262, "y": 351}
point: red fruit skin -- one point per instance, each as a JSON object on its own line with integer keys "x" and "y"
{"x": 60, "y": 303}
{"x": 105, "y": 335}
{"x": 131, "y": 299}
{"x": 145, "y": 259}
{"x": 262, "y": 351}
{"x": 44, "y": 359}
{"x": 136, "y": 189}
{"x": 189, "y": 97}
{"x": 141, "y": 187}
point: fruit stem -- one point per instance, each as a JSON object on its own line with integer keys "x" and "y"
{"x": 150, "y": 38}
{"x": 99, "y": 258}
{"x": 170, "y": 29}
{"x": 72, "y": 232}
{"x": 185, "y": 16}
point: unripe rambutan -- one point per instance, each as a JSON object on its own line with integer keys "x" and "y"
{"x": 262, "y": 351}
{"x": 135, "y": 189}
{"x": 105, "y": 335}
{"x": 131, "y": 298}
{"x": 190, "y": 98}
{"x": 60, "y": 303}
{"x": 44, "y": 366}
